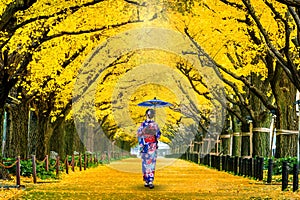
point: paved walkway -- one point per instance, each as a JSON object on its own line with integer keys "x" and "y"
{"x": 175, "y": 179}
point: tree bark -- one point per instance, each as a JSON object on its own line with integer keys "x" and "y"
{"x": 236, "y": 144}
{"x": 65, "y": 139}
{"x": 261, "y": 116}
{"x": 42, "y": 132}
{"x": 261, "y": 144}
{"x": 284, "y": 93}
{"x": 17, "y": 131}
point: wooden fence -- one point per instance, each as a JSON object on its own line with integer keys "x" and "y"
{"x": 61, "y": 165}
{"x": 258, "y": 168}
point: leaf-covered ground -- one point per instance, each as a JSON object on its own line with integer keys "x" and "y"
{"x": 174, "y": 180}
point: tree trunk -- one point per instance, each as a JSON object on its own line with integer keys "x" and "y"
{"x": 58, "y": 141}
{"x": 261, "y": 117}
{"x": 44, "y": 132}
{"x": 73, "y": 142}
{"x": 245, "y": 146}
{"x": 285, "y": 93}
{"x": 236, "y": 144}
{"x": 286, "y": 139}
{"x": 32, "y": 133}
{"x": 245, "y": 151}
{"x": 65, "y": 139}
{"x": 237, "y": 138}
{"x": 225, "y": 142}
{"x": 261, "y": 143}
{"x": 17, "y": 131}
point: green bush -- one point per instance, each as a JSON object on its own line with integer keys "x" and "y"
{"x": 9, "y": 162}
{"x": 43, "y": 174}
{"x": 277, "y": 164}
{"x": 26, "y": 168}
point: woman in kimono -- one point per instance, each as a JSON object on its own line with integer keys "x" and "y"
{"x": 148, "y": 135}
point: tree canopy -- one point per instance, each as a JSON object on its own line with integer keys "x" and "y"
{"x": 252, "y": 47}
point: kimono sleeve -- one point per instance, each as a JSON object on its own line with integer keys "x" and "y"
{"x": 140, "y": 130}
{"x": 139, "y": 134}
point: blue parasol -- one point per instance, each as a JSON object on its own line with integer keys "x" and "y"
{"x": 155, "y": 103}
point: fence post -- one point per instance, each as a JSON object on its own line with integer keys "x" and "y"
{"x": 73, "y": 162}
{"x": 232, "y": 161}
{"x": 47, "y": 163}
{"x": 231, "y": 164}
{"x": 255, "y": 168}
{"x": 227, "y": 163}
{"x": 218, "y": 162}
{"x": 295, "y": 177}
{"x": 18, "y": 171}
{"x": 87, "y": 161}
{"x": 208, "y": 160}
{"x": 285, "y": 175}
{"x": 212, "y": 163}
{"x": 261, "y": 169}
{"x": 270, "y": 170}
{"x": 223, "y": 163}
{"x": 251, "y": 167}
{"x": 240, "y": 166}
{"x": 57, "y": 165}
{"x": 33, "y": 169}
{"x": 235, "y": 165}
{"x": 84, "y": 165}
{"x": 247, "y": 167}
{"x": 196, "y": 158}
{"x": 246, "y": 173}
{"x": 67, "y": 164}
{"x": 244, "y": 164}
{"x": 202, "y": 159}
{"x": 80, "y": 162}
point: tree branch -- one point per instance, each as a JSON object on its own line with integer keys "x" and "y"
{"x": 12, "y": 8}
{"x": 295, "y": 3}
{"x": 136, "y": 3}
{"x": 273, "y": 51}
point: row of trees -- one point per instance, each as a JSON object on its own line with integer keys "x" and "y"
{"x": 252, "y": 46}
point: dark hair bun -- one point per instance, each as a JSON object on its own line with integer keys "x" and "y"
{"x": 150, "y": 113}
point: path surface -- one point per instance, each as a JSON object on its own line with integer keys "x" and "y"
{"x": 174, "y": 180}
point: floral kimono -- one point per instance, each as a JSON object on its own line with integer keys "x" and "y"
{"x": 148, "y": 135}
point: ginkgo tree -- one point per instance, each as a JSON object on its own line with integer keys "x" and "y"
{"x": 44, "y": 43}
{"x": 279, "y": 37}
{"x": 249, "y": 56}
